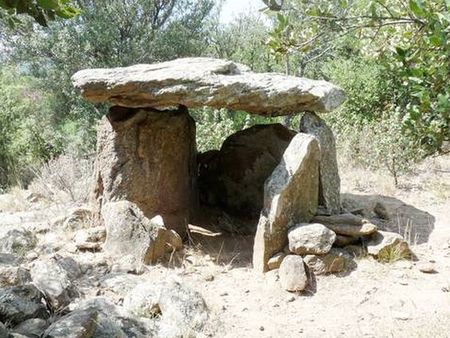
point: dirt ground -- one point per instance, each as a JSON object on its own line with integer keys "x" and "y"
{"x": 372, "y": 300}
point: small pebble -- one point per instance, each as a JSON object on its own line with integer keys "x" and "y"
{"x": 426, "y": 268}
{"x": 261, "y": 328}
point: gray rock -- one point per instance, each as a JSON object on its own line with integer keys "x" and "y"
{"x": 233, "y": 178}
{"x": 8, "y": 259}
{"x": 113, "y": 322}
{"x": 330, "y": 183}
{"x": 129, "y": 232}
{"x": 388, "y": 246}
{"x": 20, "y": 303}
{"x": 290, "y": 197}
{"x": 292, "y": 273}
{"x": 52, "y": 278}
{"x": 139, "y": 148}
{"x": 3, "y": 331}
{"x": 306, "y": 239}
{"x": 337, "y": 260}
{"x": 89, "y": 235}
{"x": 179, "y": 310}
{"x": 198, "y": 82}
{"x": 347, "y": 225}
{"x": 17, "y": 241}
{"x": 32, "y": 327}
{"x": 13, "y": 275}
{"x": 77, "y": 324}
{"x": 275, "y": 261}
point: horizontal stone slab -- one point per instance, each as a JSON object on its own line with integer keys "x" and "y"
{"x": 199, "y": 82}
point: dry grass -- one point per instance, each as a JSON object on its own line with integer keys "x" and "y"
{"x": 65, "y": 179}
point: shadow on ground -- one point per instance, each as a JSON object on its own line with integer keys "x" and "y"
{"x": 414, "y": 224}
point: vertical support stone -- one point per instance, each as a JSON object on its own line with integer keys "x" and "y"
{"x": 148, "y": 157}
{"x": 330, "y": 183}
{"x": 291, "y": 196}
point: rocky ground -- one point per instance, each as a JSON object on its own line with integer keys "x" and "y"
{"x": 55, "y": 281}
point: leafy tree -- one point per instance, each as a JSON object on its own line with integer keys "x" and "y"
{"x": 143, "y": 32}
{"x": 41, "y": 10}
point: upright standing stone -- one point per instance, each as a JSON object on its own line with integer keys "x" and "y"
{"x": 291, "y": 196}
{"x": 330, "y": 183}
{"x": 148, "y": 157}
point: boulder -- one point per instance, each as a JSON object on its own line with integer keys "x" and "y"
{"x": 130, "y": 232}
{"x": 388, "y": 246}
{"x": 17, "y": 241}
{"x": 233, "y": 178}
{"x": 292, "y": 274}
{"x": 330, "y": 183}
{"x": 19, "y": 303}
{"x": 290, "y": 197}
{"x": 347, "y": 225}
{"x": 307, "y": 239}
{"x": 54, "y": 278}
{"x": 34, "y": 327}
{"x": 77, "y": 324}
{"x": 148, "y": 157}
{"x": 178, "y": 309}
{"x": 112, "y": 321}
{"x": 199, "y": 82}
{"x": 336, "y": 260}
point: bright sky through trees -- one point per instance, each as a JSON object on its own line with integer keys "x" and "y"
{"x": 232, "y": 8}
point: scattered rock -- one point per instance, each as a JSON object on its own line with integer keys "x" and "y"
{"x": 127, "y": 264}
{"x": 426, "y": 267}
{"x": 19, "y": 303}
{"x": 34, "y": 327}
{"x": 75, "y": 218}
{"x": 112, "y": 322}
{"x": 293, "y": 274}
{"x": 199, "y": 82}
{"x": 275, "y": 261}
{"x": 8, "y": 259}
{"x": 347, "y": 225}
{"x": 330, "y": 183}
{"x": 233, "y": 178}
{"x": 94, "y": 234}
{"x": 290, "y": 197}
{"x": 13, "y": 275}
{"x": 337, "y": 260}
{"x": 177, "y": 308}
{"x": 129, "y": 232}
{"x": 17, "y": 241}
{"x": 381, "y": 211}
{"x": 77, "y": 324}
{"x": 306, "y": 239}
{"x": 388, "y": 246}
{"x": 401, "y": 315}
{"x": 152, "y": 149}
{"x": 55, "y": 281}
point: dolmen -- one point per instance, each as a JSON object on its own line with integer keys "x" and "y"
{"x": 150, "y": 179}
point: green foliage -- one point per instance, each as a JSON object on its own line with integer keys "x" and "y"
{"x": 215, "y": 125}
{"x": 41, "y": 11}
{"x": 25, "y": 127}
{"x": 143, "y": 32}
